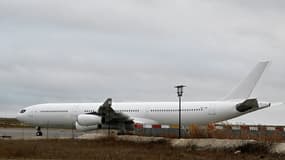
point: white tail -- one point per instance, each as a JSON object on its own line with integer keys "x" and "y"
{"x": 245, "y": 88}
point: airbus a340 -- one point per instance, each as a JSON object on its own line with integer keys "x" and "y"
{"x": 123, "y": 116}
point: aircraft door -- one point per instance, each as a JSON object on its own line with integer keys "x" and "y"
{"x": 36, "y": 116}
{"x": 74, "y": 111}
{"x": 212, "y": 110}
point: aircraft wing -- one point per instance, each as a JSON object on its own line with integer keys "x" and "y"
{"x": 143, "y": 121}
{"x": 109, "y": 115}
{"x": 117, "y": 119}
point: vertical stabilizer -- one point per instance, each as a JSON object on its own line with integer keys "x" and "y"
{"x": 245, "y": 88}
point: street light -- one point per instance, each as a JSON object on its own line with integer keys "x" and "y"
{"x": 180, "y": 93}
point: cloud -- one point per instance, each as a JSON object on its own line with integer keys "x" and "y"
{"x": 63, "y": 51}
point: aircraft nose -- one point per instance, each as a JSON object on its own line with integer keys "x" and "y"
{"x": 19, "y": 117}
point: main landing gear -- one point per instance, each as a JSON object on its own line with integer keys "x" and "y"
{"x": 39, "y": 132}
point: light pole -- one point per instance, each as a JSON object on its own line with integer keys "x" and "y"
{"x": 179, "y": 93}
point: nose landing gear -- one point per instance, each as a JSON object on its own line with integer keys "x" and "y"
{"x": 39, "y": 132}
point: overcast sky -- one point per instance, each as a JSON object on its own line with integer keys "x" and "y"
{"x": 137, "y": 50}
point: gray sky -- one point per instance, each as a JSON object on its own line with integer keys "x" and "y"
{"x": 137, "y": 50}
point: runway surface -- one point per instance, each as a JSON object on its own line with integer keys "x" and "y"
{"x": 30, "y": 133}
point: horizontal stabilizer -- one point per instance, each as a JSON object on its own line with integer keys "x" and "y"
{"x": 247, "y": 105}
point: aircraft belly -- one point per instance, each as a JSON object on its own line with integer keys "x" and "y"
{"x": 55, "y": 120}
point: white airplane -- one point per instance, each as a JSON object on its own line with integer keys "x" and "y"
{"x": 123, "y": 116}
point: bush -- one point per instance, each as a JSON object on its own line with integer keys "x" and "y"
{"x": 258, "y": 148}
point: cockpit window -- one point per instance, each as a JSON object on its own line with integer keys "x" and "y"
{"x": 23, "y": 111}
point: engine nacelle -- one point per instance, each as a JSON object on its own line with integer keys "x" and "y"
{"x": 89, "y": 120}
{"x": 86, "y": 128}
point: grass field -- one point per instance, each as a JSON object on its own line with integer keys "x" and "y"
{"x": 109, "y": 149}
{"x": 11, "y": 123}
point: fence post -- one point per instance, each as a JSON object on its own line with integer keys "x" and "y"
{"x": 47, "y": 129}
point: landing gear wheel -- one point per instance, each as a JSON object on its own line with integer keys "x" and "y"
{"x": 39, "y": 133}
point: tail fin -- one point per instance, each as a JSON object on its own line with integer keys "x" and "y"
{"x": 245, "y": 88}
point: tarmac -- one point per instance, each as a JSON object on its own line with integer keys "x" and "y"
{"x": 30, "y": 133}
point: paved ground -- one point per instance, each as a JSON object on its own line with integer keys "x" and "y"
{"x": 30, "y": 133}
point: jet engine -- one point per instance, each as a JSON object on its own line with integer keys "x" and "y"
{"x": 87, "y": 122}
{"x": 89, "y": 119}
{"x": 86, "y": 128}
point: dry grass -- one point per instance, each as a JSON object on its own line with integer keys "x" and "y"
{"x": 196, "y": 131}
{"x": 109, "y": 149}
{"x": 11, "y": 123}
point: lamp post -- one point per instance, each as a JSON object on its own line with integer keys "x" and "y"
{"x": 109, "y": 116}
{"x": 109, "y": 133}
{"x": 179, "y": 93}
